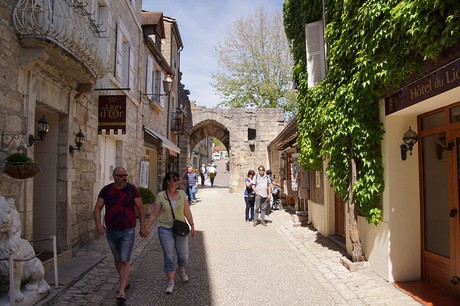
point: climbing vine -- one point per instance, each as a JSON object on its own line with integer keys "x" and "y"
{"x": 372, "y": 46}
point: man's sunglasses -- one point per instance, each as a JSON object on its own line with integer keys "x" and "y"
{"x": 121, "y": 175}
{"x": 176, "y": 180}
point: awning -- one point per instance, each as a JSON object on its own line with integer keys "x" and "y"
{"x": 168, "y": 144}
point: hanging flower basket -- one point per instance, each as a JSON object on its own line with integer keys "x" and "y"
{"x": 20, "y": 166}
{"x": 21, "y": 170}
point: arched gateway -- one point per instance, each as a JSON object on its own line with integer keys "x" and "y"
{"x": 245, "y": 132}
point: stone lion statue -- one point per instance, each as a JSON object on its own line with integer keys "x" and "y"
{"x": 28, "y": 270}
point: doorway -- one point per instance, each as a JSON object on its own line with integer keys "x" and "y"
{"x": 339, "y": 216}
{"x": 45, "y": 221}
{"x": 440, "y": 169}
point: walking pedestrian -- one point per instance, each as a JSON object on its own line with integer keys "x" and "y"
{"x": 192, "y": 180}
{"x": 249, "y": 196}
{"x": 212, "y": 174}
{"x": 119, "y": 199}
{"x": 202, "y": 174}
{"x": 175, "y": 248}
{"x": 262, "y": 188}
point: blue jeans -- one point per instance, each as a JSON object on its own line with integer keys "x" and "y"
{"x": 261, "y": 203}
{"x": 121, "y": 243}
{"x": 172, "y": 246}
{"x": 191, "y": 192}
{"x": 249, "y": 212}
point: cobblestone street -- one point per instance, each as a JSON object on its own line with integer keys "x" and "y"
{"x": 233, "y": 263}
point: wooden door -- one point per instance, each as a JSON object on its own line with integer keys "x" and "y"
{"x": 339, "y": 216}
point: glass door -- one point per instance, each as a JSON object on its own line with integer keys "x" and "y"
{"x": 440, "y": 168}
{"x": 436, "y": 228}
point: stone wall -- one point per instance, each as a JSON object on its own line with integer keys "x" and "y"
{"x": 231, "y": 127}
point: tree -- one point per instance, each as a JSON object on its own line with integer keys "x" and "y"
{"x": 256, "y": 64}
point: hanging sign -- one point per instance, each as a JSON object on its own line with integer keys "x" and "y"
{"x": 112, "y": 114}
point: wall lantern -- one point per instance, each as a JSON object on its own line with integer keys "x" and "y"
{"x": 42, "y": 129}
{"x": 79, "y": 140}
{"x": 167, "y": 84}
{"x": 410, "y": 138}
{"x": 283, "y": 155}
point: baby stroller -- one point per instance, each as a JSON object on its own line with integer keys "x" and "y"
{"x": 276, "y": 201}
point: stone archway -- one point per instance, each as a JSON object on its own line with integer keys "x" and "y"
{"x": 209, "y": 128}
{"x": 245, "y": 132}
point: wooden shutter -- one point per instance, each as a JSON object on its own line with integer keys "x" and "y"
{"x": 316, "y": 65}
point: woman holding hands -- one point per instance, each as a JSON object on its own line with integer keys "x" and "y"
{"x": 174, "y": 247}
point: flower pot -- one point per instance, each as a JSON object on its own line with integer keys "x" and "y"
{"x": 21, "y": 170}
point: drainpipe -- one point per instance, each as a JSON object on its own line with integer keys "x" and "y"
{"x": 178, "y": 103}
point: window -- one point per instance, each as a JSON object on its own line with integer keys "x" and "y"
{"x": 252, "y": 134}
{"x": 124, "y": 60}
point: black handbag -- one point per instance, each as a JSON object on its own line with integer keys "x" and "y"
{"x": 179, "y": 228}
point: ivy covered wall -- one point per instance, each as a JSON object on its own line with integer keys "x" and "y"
{"x": 372, "y": 46}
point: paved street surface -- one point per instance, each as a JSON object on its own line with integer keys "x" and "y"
{"x": 233, "y": 263}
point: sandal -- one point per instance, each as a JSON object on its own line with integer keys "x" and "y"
{"x": 121, "y": 298}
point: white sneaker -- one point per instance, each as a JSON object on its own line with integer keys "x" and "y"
{"x": 170, "y": 288}
{"x": 183, "y": 275}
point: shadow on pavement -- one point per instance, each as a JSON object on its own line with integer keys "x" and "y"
{"x": 148, "y": 280}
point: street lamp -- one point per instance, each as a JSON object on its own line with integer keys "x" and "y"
{"x": 167, "y": 84}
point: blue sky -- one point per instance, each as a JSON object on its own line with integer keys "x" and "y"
{"x": 202, "y": 24}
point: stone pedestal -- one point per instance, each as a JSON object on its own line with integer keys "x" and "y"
{"x": 30, "y": 297}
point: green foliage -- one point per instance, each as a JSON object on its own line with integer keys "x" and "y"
{"x": 372, "y": 45}
{"x": 147, "y": 195}
{"x": 255, "y": 64}
{"x": 19, "y": 158}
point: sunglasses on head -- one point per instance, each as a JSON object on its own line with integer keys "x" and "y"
{"x": 121, "y": 175}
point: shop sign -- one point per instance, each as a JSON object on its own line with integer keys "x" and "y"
{"x": 144, "y": 174}
{"x": 433, "y": 84}
{"x": 112, "y": 114}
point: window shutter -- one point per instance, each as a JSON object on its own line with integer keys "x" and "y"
{"x": 131, "y": 68}
{"x": 162, "y": 100}
{"x": 149, "y": 77}
{"x": 118, "y": 54}
{"x": 316, "y": 65}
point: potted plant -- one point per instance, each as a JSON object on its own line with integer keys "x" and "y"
{"x": 20, "y": 166}
{"x": 148, "y": 198}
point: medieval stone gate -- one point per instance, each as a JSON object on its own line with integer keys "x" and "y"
{"x": 245, "y": 132}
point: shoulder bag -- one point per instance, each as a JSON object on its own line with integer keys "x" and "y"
{"x": 179, "y": 228}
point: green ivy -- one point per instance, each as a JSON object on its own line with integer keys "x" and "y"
{"x": 372, "y": 46}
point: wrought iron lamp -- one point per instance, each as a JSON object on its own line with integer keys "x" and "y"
{"x": 42, "y": 129}
{"x": 410, "y": 138}
{"x": 79, "y": 140}
{"x": 167, "y": 84}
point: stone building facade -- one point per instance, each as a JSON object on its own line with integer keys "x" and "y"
{"x": 77, "y": 76}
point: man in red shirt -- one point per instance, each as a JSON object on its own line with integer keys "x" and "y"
{"x": 119, "y": 199}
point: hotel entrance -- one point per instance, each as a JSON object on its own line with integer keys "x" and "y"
{"x": 439, "y": 132}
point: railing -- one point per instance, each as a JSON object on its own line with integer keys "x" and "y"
{"x": 67, "y": 24}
